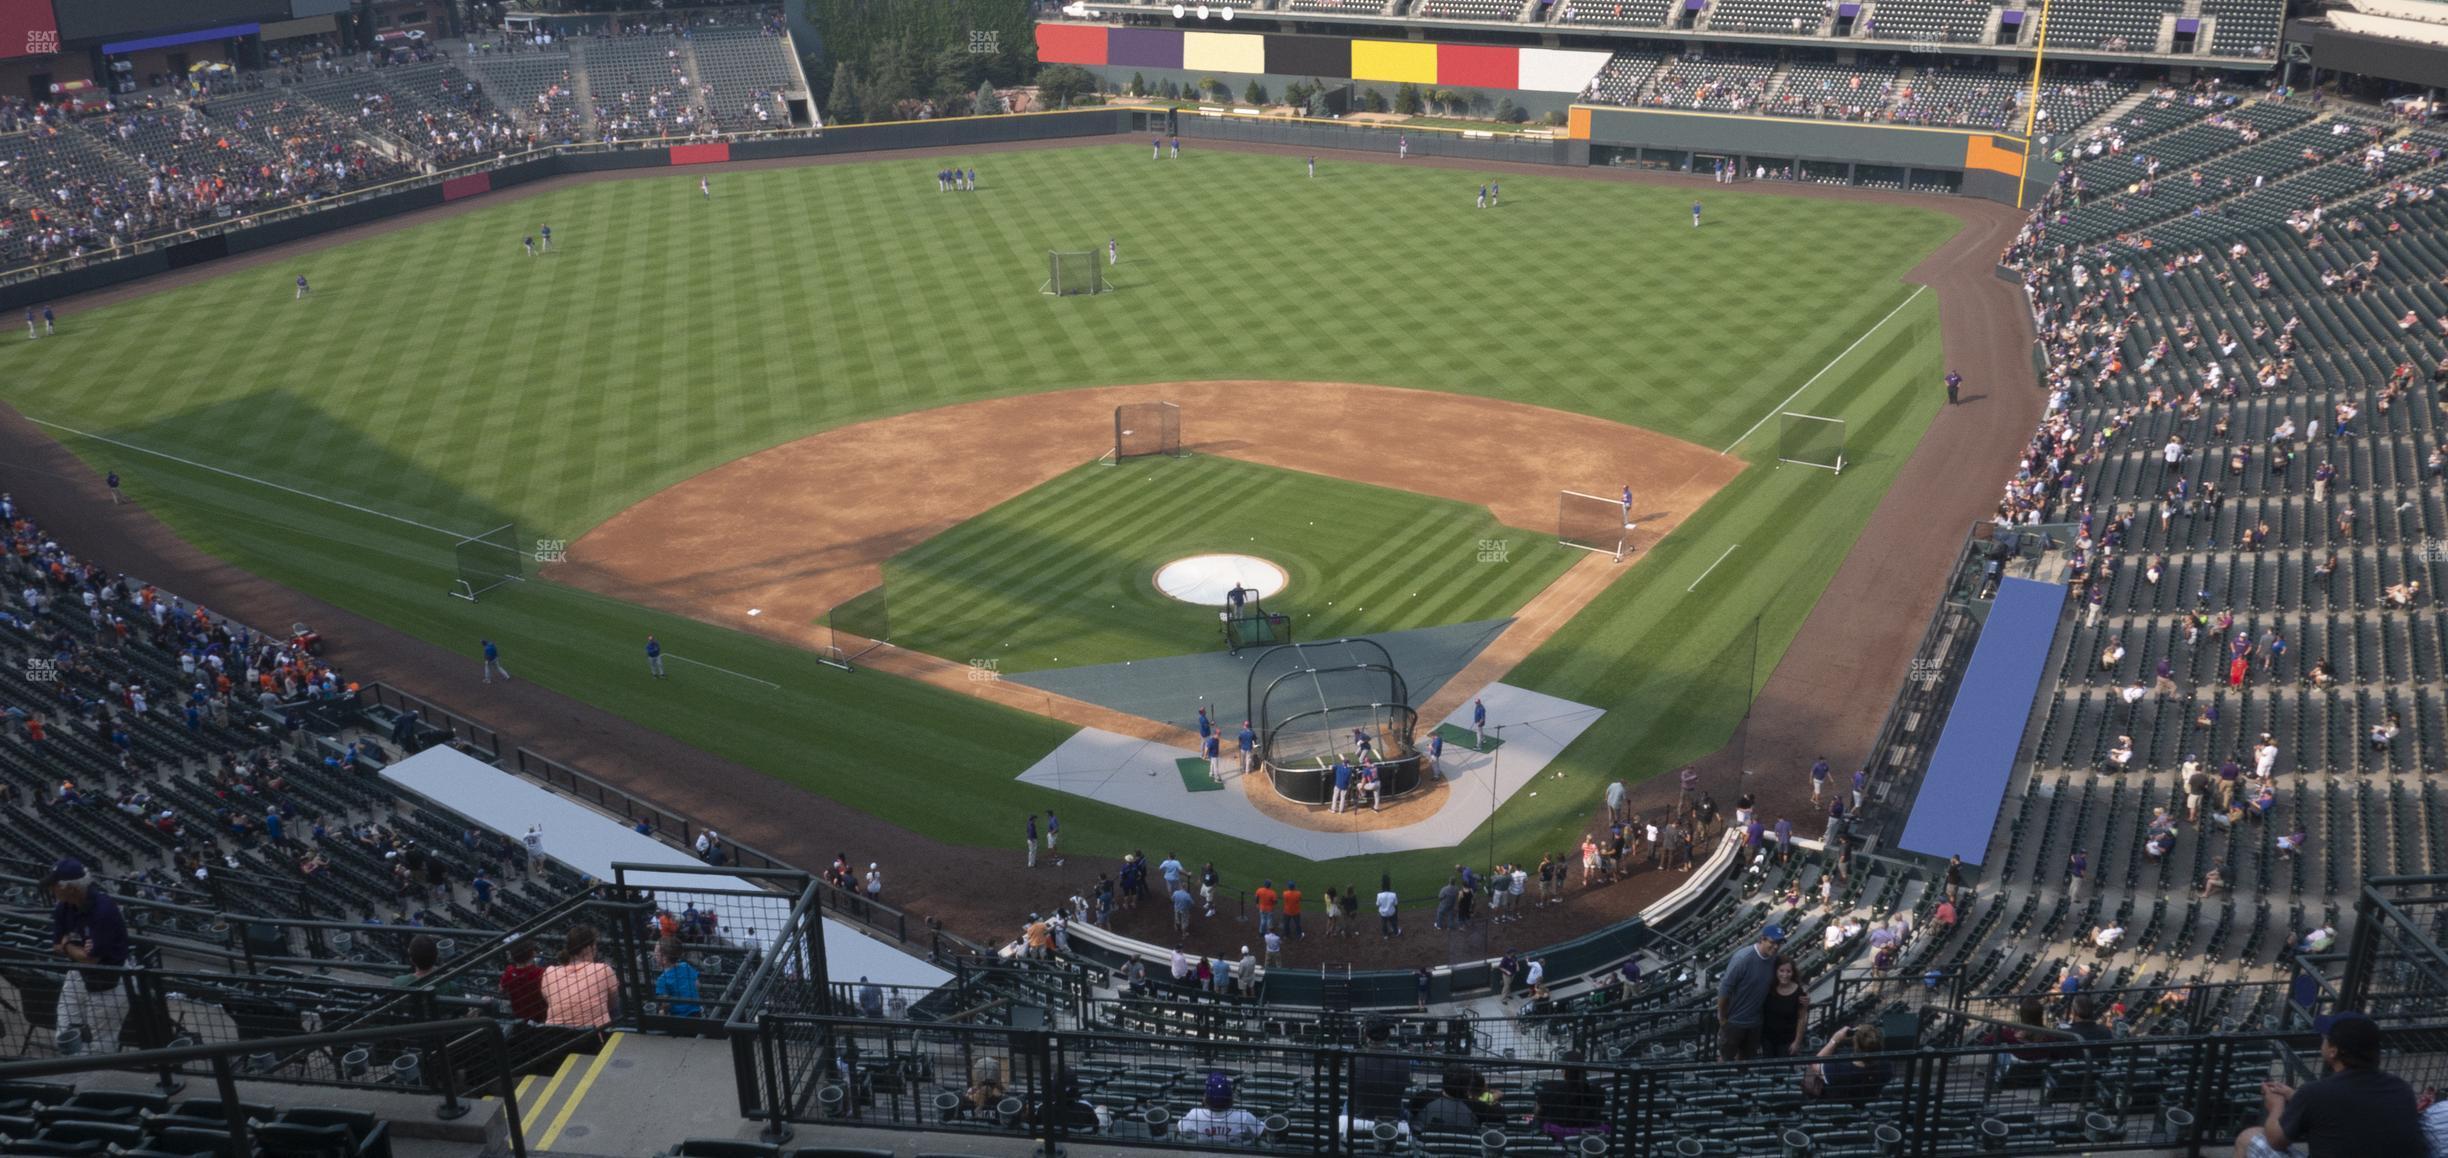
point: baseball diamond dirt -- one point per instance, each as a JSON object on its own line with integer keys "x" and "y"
{"x": 759, "y": 533}
{"x": 1827, "y": 694}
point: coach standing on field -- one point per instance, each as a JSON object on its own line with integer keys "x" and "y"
{"x": 86, "y": 928}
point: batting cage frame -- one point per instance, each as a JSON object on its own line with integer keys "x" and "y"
{"x": 1250, "y": 625}
{"x": 1069, "y": 274}
{"x": 487, "y": 561}
{"x": 865, "y": 618}
{"x": 1811, "y": 440}
{"x": 1308, "y": 702}
{"x": 1593, "y": 523}
{"x": 1142, "y": 429}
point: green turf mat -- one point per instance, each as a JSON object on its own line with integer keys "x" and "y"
{"x": 1194, "y": 774}
{"x": 1460, "y": 737}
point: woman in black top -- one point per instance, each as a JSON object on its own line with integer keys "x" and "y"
{"x": 1788, "y": 1008}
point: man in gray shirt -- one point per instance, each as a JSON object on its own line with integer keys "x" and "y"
{"x": 1742, "y": 994}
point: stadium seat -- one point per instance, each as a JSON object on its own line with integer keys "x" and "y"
{"x": 724, "y": 1148}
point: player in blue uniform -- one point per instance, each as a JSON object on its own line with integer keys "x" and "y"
{"x": 301, "y": 285}
{"x": 706, "y": 188}
{"x": 654, "y": 656}
{"x": 1482, "y": 203}
{"x": 1342, "y": 785}
{"x": 1495, "y": 194}
{"x": 1627, "y": 506}
{"x": 1695, "y": 215}
{"x": 1113, "y": 251}
{"x": 48, "y": 319}
{"x": 1479, "y": 723}
{"x": 529, "y": 243}
{"x": 1313, "y": 164}
{"x": 546, "y": 231}
{"x": 30, "y": 333}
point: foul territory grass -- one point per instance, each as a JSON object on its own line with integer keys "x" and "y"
{"x": 441, "y": 377}
{"x": 1064, "y": 576}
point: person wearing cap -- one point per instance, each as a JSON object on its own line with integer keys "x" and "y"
{"x": 2354, "y": 1110}
{"x": 1248, "y": 740}
{"x": 86, "y": 928}
{"x": 1215, "y": 1120}
{"x": 1742, "y": 995}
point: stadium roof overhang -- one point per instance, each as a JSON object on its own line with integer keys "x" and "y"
{"x": 2362, "y": 54}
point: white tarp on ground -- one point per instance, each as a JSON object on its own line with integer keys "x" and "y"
{"x": 1139, "y": 775}
{"x": 590, "y": 842}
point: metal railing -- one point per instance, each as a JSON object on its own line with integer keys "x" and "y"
{"x": 462, "y": 729}
{"x": 2186, "y": 1094}
{"x": 460, "y": 1036}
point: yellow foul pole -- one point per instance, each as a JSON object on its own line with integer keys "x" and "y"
{"x": 2031, "y": 110}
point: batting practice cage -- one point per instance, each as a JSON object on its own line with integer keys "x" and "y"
{"x": 1074, "y": 273}
{"x": 487, "y": 561}
{"x": 1145, "y": 428}
{"x": 1809, "y": 440}
{"x": 1593, "y": 523}
{"x": 1315, "y": 703}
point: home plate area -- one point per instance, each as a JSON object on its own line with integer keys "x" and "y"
{"x": 1145, "y": 776}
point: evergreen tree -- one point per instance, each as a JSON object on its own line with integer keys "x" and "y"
{"x": 989, "y": 102}
{"x": 843, "y": 107}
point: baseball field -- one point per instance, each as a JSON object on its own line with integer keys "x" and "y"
{"x": 438, "y": 382}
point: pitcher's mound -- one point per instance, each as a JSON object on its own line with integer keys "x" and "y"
{"x": 1205, "y": 579}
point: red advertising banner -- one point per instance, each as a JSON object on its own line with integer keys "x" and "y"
{"x": 468, "y": 186}
{"x": 701, "y": 154}
{"x": 27, "y": 29}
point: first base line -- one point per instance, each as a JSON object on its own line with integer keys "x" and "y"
{"x": 724, "y": 670}
{"x": 1711, "y": 567}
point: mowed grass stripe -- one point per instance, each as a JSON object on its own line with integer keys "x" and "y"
{"x": 670, "y": 334}
{"x": 1059, "y": 575}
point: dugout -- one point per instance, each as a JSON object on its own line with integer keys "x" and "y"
{"x": 1312, "y": 703}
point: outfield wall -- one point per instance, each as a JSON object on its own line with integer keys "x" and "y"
{"x": 1972, "y": 163}
{"x": 1977, "y": 163}
{"x": 163, "y": 255}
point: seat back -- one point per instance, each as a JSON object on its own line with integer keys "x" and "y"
{"x": 107, "y": 1133}
{"x": 213, "y": 1112}
{"x": 725, "y": 1148}
{"x": 192, "y": 1140}
{"x": 141, "y": 1101}
{"x": 359, "y": 1122}
{"x": 31, "y": 1094}
{"x": 294, "y": 1140}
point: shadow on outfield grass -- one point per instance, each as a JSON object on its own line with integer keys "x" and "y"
{"x": 323, "y": 456}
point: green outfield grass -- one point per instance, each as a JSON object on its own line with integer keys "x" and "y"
{"x": 439, "y": 383}
{"x": 1064, "y": 576}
